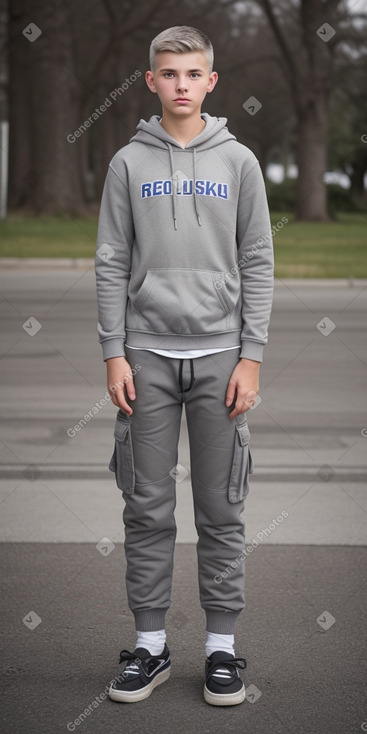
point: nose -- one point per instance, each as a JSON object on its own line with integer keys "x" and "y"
{"x": 182, "y": 84}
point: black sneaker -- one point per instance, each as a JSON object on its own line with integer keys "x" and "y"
{"x": 141, "y": 675}
{"x": 223, "y": 685}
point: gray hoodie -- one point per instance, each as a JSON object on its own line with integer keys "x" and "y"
{"x": 184, "y": 256}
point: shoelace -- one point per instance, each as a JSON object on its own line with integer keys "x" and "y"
{"x": 127, "y": 655}
{"x": 233, "y": 663}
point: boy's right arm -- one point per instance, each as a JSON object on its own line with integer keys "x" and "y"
{"x": 112, "y": 268}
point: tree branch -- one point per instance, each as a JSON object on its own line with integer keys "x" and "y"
{"x": 114, "y": 40}
{"x": 283, "y": 45}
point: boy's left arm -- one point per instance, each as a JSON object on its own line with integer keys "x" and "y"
{"x": 256, "y": 267}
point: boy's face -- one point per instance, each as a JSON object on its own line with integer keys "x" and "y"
{"x": 181, "y": 82}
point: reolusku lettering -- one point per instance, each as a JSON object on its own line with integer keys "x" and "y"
{"x": 184, "y": 187}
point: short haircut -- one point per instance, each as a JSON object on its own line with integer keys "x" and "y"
{"x": 181, "y": 39}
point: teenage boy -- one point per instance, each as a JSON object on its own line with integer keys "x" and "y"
{"x": 184, "y": 272}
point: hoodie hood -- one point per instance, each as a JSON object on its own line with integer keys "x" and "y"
{"x": 214, "y": 133}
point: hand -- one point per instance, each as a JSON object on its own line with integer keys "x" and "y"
{"x": 244, "y": 380}
{"x": 119, "y": 379}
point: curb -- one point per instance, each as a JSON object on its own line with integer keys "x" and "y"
{"x": 33, "y": 263}
{"x": 80, "y": 263}
{"x": 336, "y": 282}
{"x": 276, "y": 474}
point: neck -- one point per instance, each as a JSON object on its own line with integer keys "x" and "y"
{"x": 182, "y": 129}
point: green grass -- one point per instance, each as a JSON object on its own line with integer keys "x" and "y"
{"x": 321, "y": 249}
{"x": 47, "y": 237}
{"x": 302, "y": 249}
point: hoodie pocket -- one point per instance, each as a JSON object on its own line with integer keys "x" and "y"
{"x": 122, "y": 460}
{"x": 183, "y": 301}
{"x": 242, "y": 465}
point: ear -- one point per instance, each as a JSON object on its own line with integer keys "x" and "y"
{"x": 149, "y": 78}
{"x": 213, "y": 78}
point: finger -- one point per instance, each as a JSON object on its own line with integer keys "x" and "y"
{"x": 250, "y": 398}
{"x": 130, "y": 388}
{"x": 122, "y": 402}
{"x": 118, "y": 399}
{"x": 231, "y": 389}
{"x": 112, "y": 394}
{"x": 239, "y": 408}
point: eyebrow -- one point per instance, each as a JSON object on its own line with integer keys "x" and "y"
{"x": 172, "y": 70}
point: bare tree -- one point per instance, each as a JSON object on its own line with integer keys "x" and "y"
{"x": 52, "y": 89}
{"x": 307, "y": 61}
{"x": 308, "y": 33}
{"x": 45, "y": 175}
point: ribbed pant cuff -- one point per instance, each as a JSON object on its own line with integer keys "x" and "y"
{"x": 149, "y": 620}
{"x": 221, "y": 622}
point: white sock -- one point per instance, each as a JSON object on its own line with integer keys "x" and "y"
{"x": 153, "y": 641}
{"x": 216, "y": 641}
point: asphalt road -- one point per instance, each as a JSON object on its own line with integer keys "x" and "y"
{"x": 308, "y": 434}
{"x": 64, "y": 608}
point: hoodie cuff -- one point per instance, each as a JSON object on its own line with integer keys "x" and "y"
{"x": 252, "y": 350}
{"x": 113, "y": 348}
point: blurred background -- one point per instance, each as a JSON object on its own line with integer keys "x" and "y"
{"x": 292, "y": 83}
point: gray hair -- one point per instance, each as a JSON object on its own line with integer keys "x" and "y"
{"x": 181, "y": 39}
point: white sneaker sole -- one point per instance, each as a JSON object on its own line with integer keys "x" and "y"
{"x": 132, "y": 696}
{"x": 224, "y": 699}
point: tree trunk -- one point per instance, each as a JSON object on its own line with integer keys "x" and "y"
{"x": 20, "y": 169}
{"x": 309, "y": 68}
{"x": 54, "y": 94}
{"x": 311, "y": 200}
{"x": 105, "y": 147}
{"x": 357, "y": 178}
{"x": 43, "y": 111}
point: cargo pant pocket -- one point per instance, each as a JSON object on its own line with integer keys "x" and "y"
{"x": 122, "y": 460}
{"x": 242, "y": 465}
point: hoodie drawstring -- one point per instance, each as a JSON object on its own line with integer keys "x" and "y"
{"x": 195, "y": 197}
{"x": 174, "y": 187}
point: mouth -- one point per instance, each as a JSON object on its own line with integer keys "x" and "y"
{"x": 181, "y": 99}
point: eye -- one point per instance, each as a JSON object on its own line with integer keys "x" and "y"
{"x": 195, "y": 75}
{"x": 168, "y": 74}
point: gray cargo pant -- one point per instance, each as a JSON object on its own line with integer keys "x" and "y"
{"x": 144, "y": 461}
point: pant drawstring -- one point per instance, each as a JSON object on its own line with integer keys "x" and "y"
{"x": 192, "y": 378}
